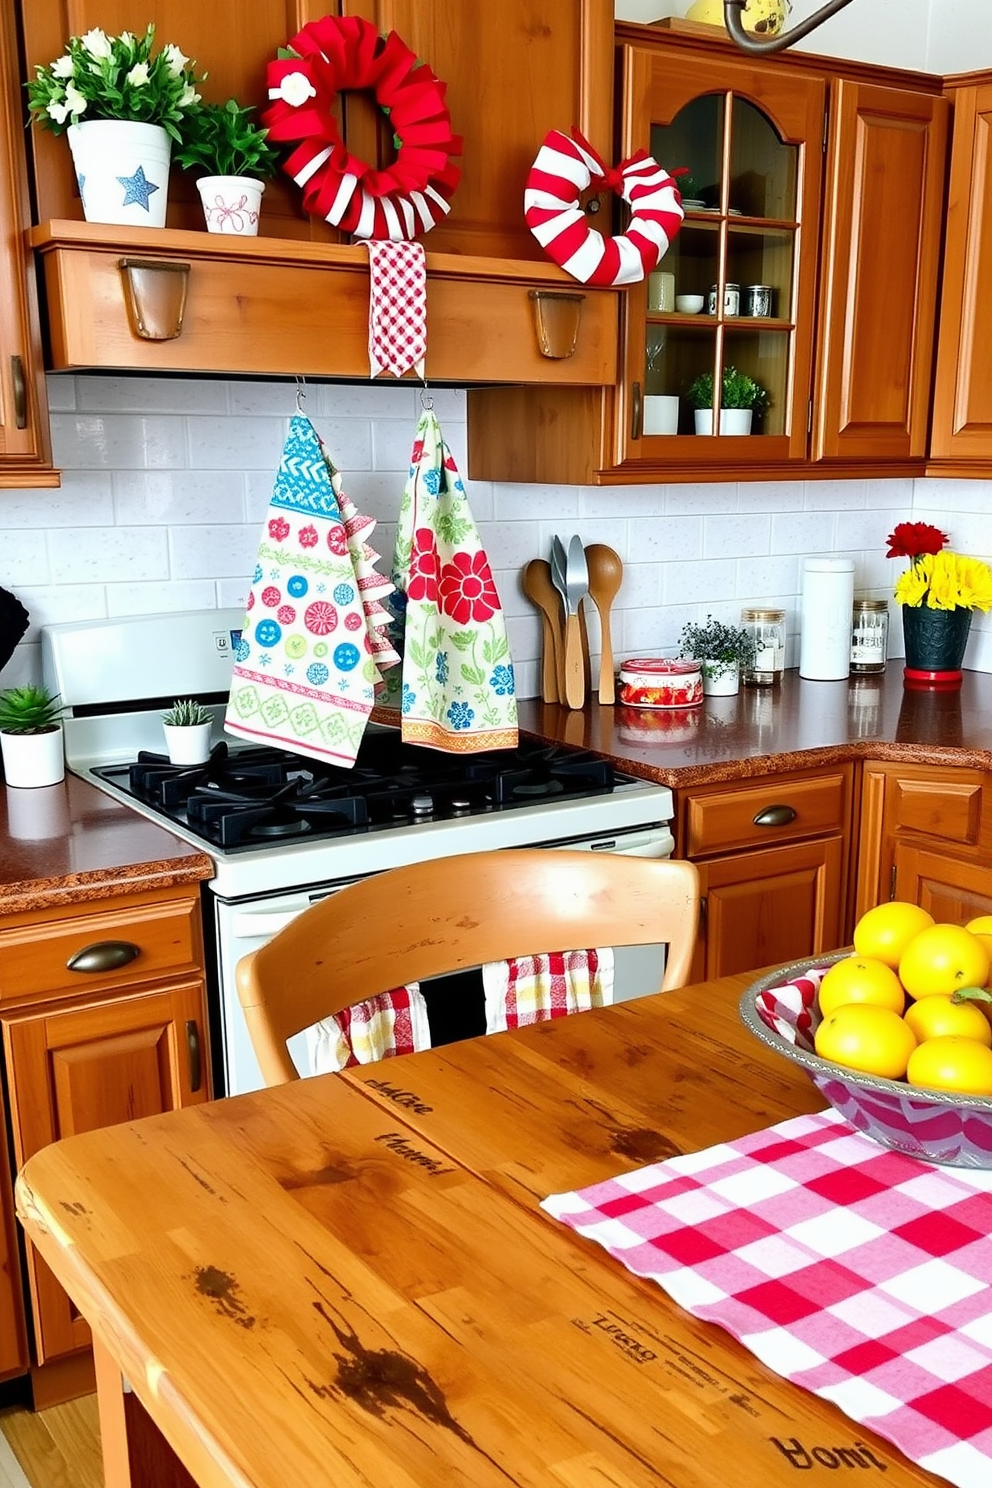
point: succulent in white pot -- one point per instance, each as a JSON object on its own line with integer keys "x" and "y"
{"x": 186, "y": 726}
{"x": 31, "y": 738}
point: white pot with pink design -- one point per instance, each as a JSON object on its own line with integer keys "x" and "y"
{"x": 221, "y": 139}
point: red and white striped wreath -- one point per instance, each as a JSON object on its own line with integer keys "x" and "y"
{"x": 346, "y": 52}
{"x": 564, "y": 167}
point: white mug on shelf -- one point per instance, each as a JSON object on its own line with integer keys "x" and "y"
{"x": 661, "y": 414}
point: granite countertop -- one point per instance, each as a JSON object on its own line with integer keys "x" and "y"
{"x": 793, "y": 726}
{"x": 64, "y": 844}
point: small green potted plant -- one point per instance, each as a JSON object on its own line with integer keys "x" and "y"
{"x": 222, "y": 141}
{"x": 31, "y": 736}
{"x": 723, "y": 652}
{"x": 741, "y": 400}
{"x": 186, "y": 726}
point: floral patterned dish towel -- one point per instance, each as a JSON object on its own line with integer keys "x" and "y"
{"x": 457, "y": 678}
{"x": 313, "y": 641}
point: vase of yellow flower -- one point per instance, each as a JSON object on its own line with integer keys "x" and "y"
{"x": 939, "y": 592}
{"x": 121, "y": 105}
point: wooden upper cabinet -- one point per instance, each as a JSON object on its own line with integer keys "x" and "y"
{"x": 882, "y": 236}
{"x": 750, "y": 138}
{"x": 25, "y": 451}
{"x": 513, "y": 71}
{"x": 962, "y": 407}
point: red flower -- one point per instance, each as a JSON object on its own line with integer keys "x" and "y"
{"x": 911, "y": 539}
{"x": 467, "y": 591}
{"x": 279, "y": 528}
{"x": 337, "y": 540}
{"x": 422, "y": 583}
{"x": 320, "y": 618}
{"x": 308, "y": 537}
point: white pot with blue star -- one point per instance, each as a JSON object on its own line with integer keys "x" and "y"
{"x": 123, "y": 171}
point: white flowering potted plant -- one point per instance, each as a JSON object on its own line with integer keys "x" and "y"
{"x": 122, "y": 105}
{"x": 231, "y": 153}
{"x": 723, "y": 652}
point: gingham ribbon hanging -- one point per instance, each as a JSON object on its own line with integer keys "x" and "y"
{"x": 565, "y": 166}
{"x": 397, "y": 308}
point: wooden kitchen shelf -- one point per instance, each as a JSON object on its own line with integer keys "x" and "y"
{"x": 282, "y": 307}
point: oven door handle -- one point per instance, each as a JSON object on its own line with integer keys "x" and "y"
{"x": 262, "y": 924}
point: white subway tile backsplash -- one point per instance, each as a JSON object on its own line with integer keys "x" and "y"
{"x": 103, "y": 554}
{"x": 213, "y": 552}
{"x": 235, "y": 442}
{"x": 181, "y": 497}
{"x": 175, "y": 475}
{"x": 118, "y": 441}
{"x": 742, "y": 535}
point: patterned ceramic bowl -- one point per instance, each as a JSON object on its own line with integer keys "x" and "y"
{"x": 781, "y": 1010}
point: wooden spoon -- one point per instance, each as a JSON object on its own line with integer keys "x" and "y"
{"x": 605, "y": 578}
{"x": 541, "y": 591}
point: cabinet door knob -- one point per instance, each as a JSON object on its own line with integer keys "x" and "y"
{"x": 775, "y": 816}
{"x": 106, "y": 955}
{"x": 20, "y": 388}
{"x": 636, "y": 410}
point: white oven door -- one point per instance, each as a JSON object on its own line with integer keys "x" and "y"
{"x": 244, "y": 926}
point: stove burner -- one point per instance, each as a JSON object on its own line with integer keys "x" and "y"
{"x": 260, "y": 797}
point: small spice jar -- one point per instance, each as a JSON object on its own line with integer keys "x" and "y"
{"x": 652, "y": 682}
{"x": 768, "y": 630}
{"x": 869, "y": 635}
{"x": 731, "y": 300}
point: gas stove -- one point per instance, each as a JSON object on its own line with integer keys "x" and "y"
{"x": 284, "y": 831}
{"x": 271, "y": 820}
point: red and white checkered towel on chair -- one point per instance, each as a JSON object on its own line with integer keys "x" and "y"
{"x": 391, "y": 1023}
{"x": 531, "y": 989}
{"x": 854, "y": 1271}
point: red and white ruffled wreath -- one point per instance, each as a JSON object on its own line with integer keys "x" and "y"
{"x": 564, "y": 167}
{"x": 407, "y": 197}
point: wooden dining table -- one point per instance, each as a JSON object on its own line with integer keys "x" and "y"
{"x": 348, "y": 1280}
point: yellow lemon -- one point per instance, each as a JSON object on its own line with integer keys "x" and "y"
{"x": 859, "y": 979}
{"x": 885, "y": 931}
{"x": 939, "y": 1017}
{"x": 863, "y": 1037}
{"x": 959, "y": 1064}
{"x": 941, "y": 959}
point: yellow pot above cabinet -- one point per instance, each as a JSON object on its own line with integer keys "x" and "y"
{"x": 760, "y": 17}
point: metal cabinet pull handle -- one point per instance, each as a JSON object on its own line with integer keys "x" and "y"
{"x": 193, "y": 1049}
{"x": 636, "y": 410}
{"x": 20, "y": 389}
{"x": 775, "y": 816}
{"x": 106, "y": 955}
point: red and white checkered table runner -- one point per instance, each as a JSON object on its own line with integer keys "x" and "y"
{"x": 397, "y": 308}
{"x": 858, "y": 1273}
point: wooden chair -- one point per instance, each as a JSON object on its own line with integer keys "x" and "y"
{"x": 408, "y": 924}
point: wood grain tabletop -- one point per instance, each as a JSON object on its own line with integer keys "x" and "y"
{"x": 348, "y": 1279}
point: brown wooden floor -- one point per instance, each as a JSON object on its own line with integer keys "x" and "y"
{"x": 56, "y": 1448}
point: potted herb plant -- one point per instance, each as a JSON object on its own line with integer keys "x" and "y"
{"x": 31, "y": 736}
{"x": 723, "y": 652}
{"x": 121, "y": 105}
{"x": 741, "y": 398}
{"x": 221, "y": 140}
{"x": 186, "y": 726}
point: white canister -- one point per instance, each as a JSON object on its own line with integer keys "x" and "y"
{"x": 825, "y": 620}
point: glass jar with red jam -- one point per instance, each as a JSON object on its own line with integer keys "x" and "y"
{"x": 652, "y": 682}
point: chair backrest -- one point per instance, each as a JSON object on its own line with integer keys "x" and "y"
{"x": 408, "y": 924}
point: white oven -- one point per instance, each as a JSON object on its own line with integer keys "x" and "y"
{"x": 116, "y": 676}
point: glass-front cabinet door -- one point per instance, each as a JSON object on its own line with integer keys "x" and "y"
{"x": 718, "y": 341}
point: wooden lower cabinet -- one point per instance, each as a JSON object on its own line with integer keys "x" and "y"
{"x": 912, "y": 813}
{"x": 103, "y": 1019}
{"x": 763, "y": 908}
{"x": 953, "y": 890}
{"x": 74, "y": 1068}
{"x": 772, "y": 855}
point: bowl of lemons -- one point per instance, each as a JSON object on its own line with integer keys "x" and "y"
{"x": 896, "y": 1034}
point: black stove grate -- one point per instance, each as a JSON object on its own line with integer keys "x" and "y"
{"x": 260, "y": 797}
